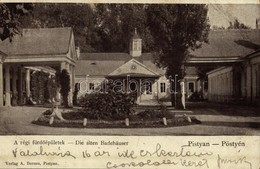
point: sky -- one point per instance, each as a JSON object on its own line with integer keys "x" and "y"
{"x": 222, "y": 14}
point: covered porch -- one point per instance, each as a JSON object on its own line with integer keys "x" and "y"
{"x": 45, "y": 50}
{"x": 16, "y": 77}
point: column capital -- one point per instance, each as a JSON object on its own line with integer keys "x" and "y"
{"x": 63, "y": 65}
{"x": 1, "y": 60}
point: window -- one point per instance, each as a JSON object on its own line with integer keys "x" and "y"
{"x": 147, "y": 87}
{"x": 135, "y": 45}
{"x": 191, "y": 87}
{"x": 133, "y": 87}
{"x": 162, "y": 88}
{"x": 91, "y": 86}
{"x": 139, "y": 45}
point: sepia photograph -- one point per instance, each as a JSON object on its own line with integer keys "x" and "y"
{"x": 130, "y": 85}
{"x": 129, "y": 69}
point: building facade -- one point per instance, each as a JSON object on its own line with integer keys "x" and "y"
{"x": 238, "y": 82}
{"x": 127, "y": 72}
{"x": 234, "y": 54}
{"x": 234, "y": 57}
{"x": 46, "y": 50}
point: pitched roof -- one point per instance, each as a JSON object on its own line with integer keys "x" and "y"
{"x": 2, "y": 54}
{"x": 135, "y": 68}
{"x": 190, "y": 70}
{"x": 101, "y": 64}
{"x": 105, "y": 56}
{"x": 254, "y": 54}
{"x": 43, "y": 41}
{"x": 229, "y": 43}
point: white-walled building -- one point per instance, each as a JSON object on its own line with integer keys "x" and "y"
{"x": 236, "y": 58}
{"x": 234, "y": 52}
{"x": 129, "y": 72}
{"x": 241, "y": 81}
{"x": 45, "y": 50}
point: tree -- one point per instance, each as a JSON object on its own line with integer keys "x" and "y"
{"x": 177, "y": 29}
{"x": 78, "y": 16}
{"x": 237, "y": 25}
{"x": 214, "y": 27}
{"x": 9, "y": 18}
{"x": 64, "y": 80}
{"x": 115, "y": 25}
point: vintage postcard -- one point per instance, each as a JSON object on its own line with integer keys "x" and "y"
{"x": 114, "y": 85}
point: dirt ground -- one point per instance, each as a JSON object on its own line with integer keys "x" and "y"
{"x": 217, "y": 119}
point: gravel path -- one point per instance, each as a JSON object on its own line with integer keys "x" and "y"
{"x": 216, "y": 120}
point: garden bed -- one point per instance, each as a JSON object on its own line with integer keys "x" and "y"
{"x": 144, "y": 119}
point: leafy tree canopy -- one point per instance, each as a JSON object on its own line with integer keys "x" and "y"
{"x": 78, "y": 16}
{"x": 115, "y": 24}
{"x": 9, "y": 18}
{"x": 177, "y": 29}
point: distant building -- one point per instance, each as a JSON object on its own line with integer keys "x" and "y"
{"x": 129, "y": 72}
{"x": 235, "y": 53}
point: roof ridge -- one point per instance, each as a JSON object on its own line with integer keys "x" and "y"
{"x": 234, "y": 30}
{"x": 44, "y": 29}
{"x": 47, "y": 28}
{"x": 112, "y": 52}
{"x": 104, "y": 53}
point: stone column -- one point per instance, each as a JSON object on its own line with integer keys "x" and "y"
{"x": 14, "y": 87}
{"x": 127, "y": 84}
{"x": 1, "y": 85}
{"x": 7, "y": 86}
{"x": 140, "y": 90}
{"x": 73, "y": 78}
{"x": 28, "y": 80}
{"x": 158, "y": 89}
{"x": 20, "y": 85}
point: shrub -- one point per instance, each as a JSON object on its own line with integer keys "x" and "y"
{"x": 155, "y": 114}
{"x": 35, "y": 86}
{"x": 51, "y": 86}
{"x": 195, "y": 97}
{"x": 43, "y": 87}
{"x": 75, "y": 94}
{"x": 39, "y": 87}
{"x": 65, "y": 86}
{"x": 113, "y": 105}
